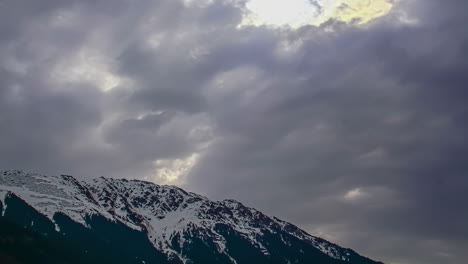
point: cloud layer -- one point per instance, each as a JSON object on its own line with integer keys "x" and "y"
{"x": 353, "y": 132}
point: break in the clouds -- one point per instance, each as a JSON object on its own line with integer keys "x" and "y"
{"x": 345, "y": 117}
{"x": 298, "y": 13}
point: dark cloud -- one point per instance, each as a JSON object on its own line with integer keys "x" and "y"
{"x": 357, "y": 135}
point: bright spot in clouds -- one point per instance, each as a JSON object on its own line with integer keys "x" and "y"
{"x": 294, "y": 13}
{"x": 87, "y": 66}
{"x": 297, "y": 13}
{"x": 174, "y": 171}
{"x": 354, "y": 194}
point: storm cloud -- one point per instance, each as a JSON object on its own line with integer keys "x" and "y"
{"x": 354, "y": 132}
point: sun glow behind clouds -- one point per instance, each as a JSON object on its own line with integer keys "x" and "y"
{"x": 280, "y": 12}
{"x": 297, "y": 13}
{"x": 174, "y": 171}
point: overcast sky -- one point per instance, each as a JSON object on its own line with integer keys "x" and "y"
{"x": 343, "y": 117}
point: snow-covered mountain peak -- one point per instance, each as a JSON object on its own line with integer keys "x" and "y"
{"x": 168, "y": 215}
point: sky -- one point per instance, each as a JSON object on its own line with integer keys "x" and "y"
{"x": 342, "y": 117}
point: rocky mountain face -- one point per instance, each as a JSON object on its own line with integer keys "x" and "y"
{"x": 58, "y": 219}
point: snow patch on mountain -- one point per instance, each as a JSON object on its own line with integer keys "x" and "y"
{"x": 50, "y": 195}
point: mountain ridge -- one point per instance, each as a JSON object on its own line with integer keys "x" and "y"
{"x": 172, "y": 219}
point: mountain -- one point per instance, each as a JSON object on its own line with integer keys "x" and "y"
{"x": 58, "y": 219}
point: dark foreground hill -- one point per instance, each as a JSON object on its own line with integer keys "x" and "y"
{"x": 60, "y": 220}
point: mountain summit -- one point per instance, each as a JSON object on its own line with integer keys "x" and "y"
{"x": 59, "y": 219}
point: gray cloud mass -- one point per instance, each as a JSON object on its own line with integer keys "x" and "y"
{"x": 354, "y": 133}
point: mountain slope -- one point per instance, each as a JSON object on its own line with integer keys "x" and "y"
{"x": 165, "y": 224}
